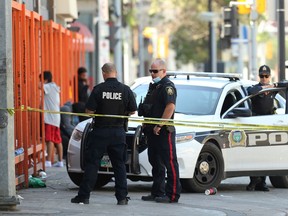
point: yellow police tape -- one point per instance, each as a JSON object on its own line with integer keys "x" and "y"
{"x": 185, "y": 123}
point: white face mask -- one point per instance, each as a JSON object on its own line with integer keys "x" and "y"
{"x": 156, "y": 79}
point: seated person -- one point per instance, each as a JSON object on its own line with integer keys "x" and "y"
{"x": 66, "y": 126}
{"x": 79, "y": 107}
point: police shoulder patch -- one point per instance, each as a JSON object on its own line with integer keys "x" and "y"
{"x": 169, "y": 90}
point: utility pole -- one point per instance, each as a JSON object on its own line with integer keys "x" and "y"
{"x": 253, "y": 33}
{"x": 212, "y": 18}
{"x": 253, "y": 46}
{"x": 102, "y": 44}
{"x": 8, "y": 200}
{"x": 211, "y": 32}
{"x": 141, "y": 42}
{"x": 281, "y": 38}
{"x": 118, "y": 38}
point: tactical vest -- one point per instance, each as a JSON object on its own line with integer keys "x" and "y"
{"x": 152, "y": 98}
{"x": 112, "y": 103}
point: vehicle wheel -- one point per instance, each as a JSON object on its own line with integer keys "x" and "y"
{"x": 102, "y": 180}
{"x": 208, "y": 172}
{"x": 76, "y": 178}
{"x": 279, "y": 181}
{"x": 84, "y": 146}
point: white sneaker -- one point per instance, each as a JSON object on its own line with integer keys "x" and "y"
{"x": 48, "y": 164}
{"x": 58, "y": 164}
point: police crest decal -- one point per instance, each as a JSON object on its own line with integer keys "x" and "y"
{"x": 237, "y": 138}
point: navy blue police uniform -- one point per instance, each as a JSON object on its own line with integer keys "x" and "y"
{"x": 108, "y": 135}
{"x": 262, "y": 104}
{"x": 161, "y": 148}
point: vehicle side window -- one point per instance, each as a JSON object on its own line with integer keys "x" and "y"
{"x": 238, "y": 96}
{"x": 141, "y": 92}
{"x": 276, "y": 103}
{"x": 279, "y": 108}
{"x": 229, "y": 101}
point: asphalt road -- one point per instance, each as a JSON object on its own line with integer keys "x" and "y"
{"x": 231, "y": 199}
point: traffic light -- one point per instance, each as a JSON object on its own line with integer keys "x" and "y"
{"x": 231, "y": 22}
{"x": 243, "y": 8}
{"x": 261, "y": 6}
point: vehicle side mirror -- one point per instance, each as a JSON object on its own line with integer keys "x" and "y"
{"x": 239, "y": 112}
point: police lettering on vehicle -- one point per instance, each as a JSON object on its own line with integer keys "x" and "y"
{"x": 112, "y": 95}
{"x": 238, "y": 138}
{"x": 270, "y": 138}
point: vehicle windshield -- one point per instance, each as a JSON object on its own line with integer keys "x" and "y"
{"x": 191, "y": 100}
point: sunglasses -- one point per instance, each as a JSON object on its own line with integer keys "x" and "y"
{"x": 262, "y": 76}
{"x": 155, "y": 70}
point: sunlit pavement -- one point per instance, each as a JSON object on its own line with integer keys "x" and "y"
{"x": 231, "y": 199}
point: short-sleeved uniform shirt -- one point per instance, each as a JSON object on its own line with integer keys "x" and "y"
{"x": 163, "y": 93}
{"x": 262, "y": 104}
{"x": 112, "y": 98}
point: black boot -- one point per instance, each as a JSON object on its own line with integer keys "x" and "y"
{"x": 261, "y": 186}
{"x": 254, "y": 180}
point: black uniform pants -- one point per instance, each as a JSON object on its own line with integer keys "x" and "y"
{"x": 162, "y": 154}
{"x": 259, "y": 181}
{"x": 112, "y": 141}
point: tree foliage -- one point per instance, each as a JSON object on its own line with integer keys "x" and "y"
{"x": 189, "y": 35}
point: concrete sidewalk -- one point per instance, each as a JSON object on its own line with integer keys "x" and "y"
{"x": 55, "y": 200}
{"x": 231, "y": 199}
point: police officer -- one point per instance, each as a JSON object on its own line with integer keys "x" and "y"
{"x": 111, "y": 98}
{"x": 160, "y": 103}
{"x": 262, "y": 104}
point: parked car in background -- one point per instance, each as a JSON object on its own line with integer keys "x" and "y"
{"x": 213, "y": 141}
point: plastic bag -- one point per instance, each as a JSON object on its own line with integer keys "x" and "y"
{"x": 36, "y": 183}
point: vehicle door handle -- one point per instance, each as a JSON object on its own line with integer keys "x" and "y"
{"x": 281, "y": 122}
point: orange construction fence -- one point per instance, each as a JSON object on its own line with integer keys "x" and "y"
{"x": 38, "y": 46}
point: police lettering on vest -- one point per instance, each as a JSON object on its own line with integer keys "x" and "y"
{"x": 112, "y": 95}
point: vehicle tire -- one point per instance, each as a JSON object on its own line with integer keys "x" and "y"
{"x": 102, "y": 180}
{"x": 208, "y": 172}
{"x": 279, "y": 181}
{"x": 84, "y": 144}
{"x": 76, "y": 178}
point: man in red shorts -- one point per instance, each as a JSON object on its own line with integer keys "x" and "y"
{"x": 52, "y": 121}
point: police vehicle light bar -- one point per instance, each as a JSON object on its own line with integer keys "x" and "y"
{"x": 231, "y": 76}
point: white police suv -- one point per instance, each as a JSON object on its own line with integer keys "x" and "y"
{"x": 216, "y": 135}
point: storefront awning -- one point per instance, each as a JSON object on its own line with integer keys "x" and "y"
{"x": 88, "y": 36}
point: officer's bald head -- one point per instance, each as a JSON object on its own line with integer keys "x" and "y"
{"x": 160, "y": 63}
{"x": 109, "y": 70}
